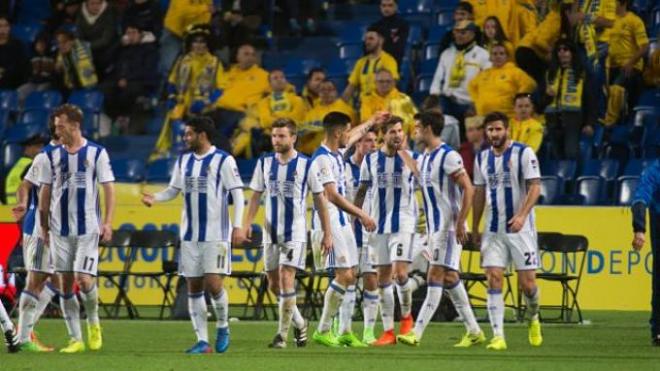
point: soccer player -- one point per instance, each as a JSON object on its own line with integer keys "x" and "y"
{"x": 393, "y": 204}
{"x": 370, "y": 296}
{"x": 39, "y": 260}
{"x": 507, "y": 181}
{"x": 285, "y": 176}
{"x": 206, "y": 176}
{"x": 448, "y": 193}
{"x": 343, "y": 257}
{"x": 11, "y": 336}
{"x": 70, "y": 219}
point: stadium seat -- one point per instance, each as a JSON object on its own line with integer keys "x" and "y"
{"x": 42, "y": 100}
{"x": 564, "y": 169}
{"x": 591, "y": 189}
{"x": 626, "y": 189}
{"x": 607, "y": 169}
{"x": 128, "y": 170}
{"x": 19, "y": 133}
{"x": 340, "y": 67}
{"x": 651, "y": 140}
{"x": 436, "y": 33}
{"x": 415, "y": 36}
{"x": 297, "y": 66}
{"x": 431, "y": 51}
{"x": 549, "y": 190}
{"x": 34, "y": 118}
{"x": 586, "y": 150}
{"x": 26, "y": 32}
{"x": 415, "y": 6}
{"x": 445, "y": 17}
{"x": 351, "y": 51}
{"x": 11, "y": 152}
{"x": 8, "y": 100}
{"x": 351, "y": 33}
{"x": 424, "y": 83}
{"x": 87, "y": 100}
{"x": 160, "y": 171}
{"x": 31, "y": 11}
{"x": 650, "y": 97}
{"x": 634, "y": 167}
{"x": 428, "y": 67}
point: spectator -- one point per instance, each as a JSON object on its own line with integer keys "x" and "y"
{"x": 475, "y": 143}
{"x": 97, "y": 24}
{"x": 145, "y": 15}
{"x": 197, "y": 79}
{"x": 64, "y": 16}
{"x": 312, "y": 91}
{"x": 307, "y": 11}
{"x": 497, "y": 8}
{"x": 652, "y": 72}
{"x": 525, "y": 16}
{"x": 494, "y": 34}
{"x": 458, "y": 65}
{"x": 462, "y": 12}
{"x": 74, "y": 62}
{"x": 180, "y": 15}
{"x": 387, "y": 97}
{"x": 395, "y": 28}
{"x": 31, "y": 147}
{"x": 42, "y": 63}
{"x": 280, "y": 103}
{"x": 13, "y": 61}
{"x": 628, "y": 46}
{"x": 494, "y": 89}
{"x": 571, "y": 109}
{"x": 135, "y": 75}
{"x": 363, "y": 76}
{"x": 524, "y": 128}
{"x": 237, "y": 24}
{"x": 311, "y": 132}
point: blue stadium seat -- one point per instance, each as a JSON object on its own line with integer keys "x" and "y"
{"x": 428, "y": 67}
{"x": 424, "y": 83}
{"x": 650, "y": 97}
{"x": 297, "y": 66}
{"x": 550, "y": 190}
{"x": 33, "y": 11}
{"x": 415, "y": 35}
{"x": 586, "y": 149}
{"x": 87, "y": 100}
{"x": 626, "y": 189}
{"x": 26, "y": 32}
{"x": 19, "y": 133}
{"x": 42, "y": 100}
{"x": 564, "y": 169}
{"x": 415, "y": 6}
{"x": 298, "y": 81}
{"x": 432, "y": 51}
{"x": 128, "y": 170}
{"x": 340, "y": 83}
{"x": 651, "y": 140}
{"x": 351, "y": 33}
{"x": 340, "y": 67}
{"x": 607, "y": 169}
{"x": 634, "y": 167}
{"x": 39, "y": 117}
{"x": 8, "y": 100}
{"x": 11, "y": 152}
{"x": 591, "y": 188}
{"x": 445, "y": 17}
{"x": 160, "y": 171}
{"x": 436, "y": 33}
{"x": 351, "y": 51}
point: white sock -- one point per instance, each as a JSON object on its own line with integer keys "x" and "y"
{"x": 71, "y": 311}
{"x": 91, "y": 303}
{"x": 459, "y": 298}
{"x": 334, "y": 296}
{"x": 297, "y": 318}
{"x": 533, "y": 304}
{"x": 433, "y": 296}
{"x": 47, "y": 294}
{"x": 387, "y": 307}
{"x": 287, "y": 303}
{"x": 5, "y": 321}
{"x": 27, "y": 308}
{"x": 404, "y": 292}
{"x": 346, "y": 311}
{"x": 495, "y": 304}
{"x": 416, "y": 282}
{"x": 198, "y": 315}
{"x": 370, "y": 300}
{"x": 221, "y": 308}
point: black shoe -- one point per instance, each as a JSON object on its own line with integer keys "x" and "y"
{"x": 655, "y": 341}
{"x": 301, "y": 335}
{"x": 11, "y": 340}
{"x": 278, "y": 342}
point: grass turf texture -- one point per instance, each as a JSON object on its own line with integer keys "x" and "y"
{"x": 613, "y": 341}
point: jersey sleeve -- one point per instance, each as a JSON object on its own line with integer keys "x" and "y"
{"x": 530, "y": 164}
{"x": 257, "y": 183}
{"x": 32, "y": 174}
{"x": 176, "y": 181}
{"x": 103, "y": 168}
{"x": 478, "y": 176}
{"x": 313, "y": 178}
{"x": 324, "y": 167}
{"x": 453, "y": 163}
{"x": 639, "y": 33}
{"x": 365, "y": 173}
{"x": 231, "y": 178}
{"x": 354, "y": 78}
{"x": 44, "y": 172}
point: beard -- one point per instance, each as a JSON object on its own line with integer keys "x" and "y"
{"x": 497, "y": 142}
{"x": 282, "y": 148}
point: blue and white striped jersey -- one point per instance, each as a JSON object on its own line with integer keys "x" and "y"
{"x": 285, "y": 187}
{"x": 75, "y": 208}
{"x": 504, "y": 178}
{"x": 352, "y": 185}
{"x": 392, "y": 202}
{"x": 442, "y": 197}
{"x": 31, "y": 224}
{"x": 331, "y": 169}
{"x": 205, "y": 182}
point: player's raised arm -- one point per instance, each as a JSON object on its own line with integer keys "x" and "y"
{"x": 356, "y": 133}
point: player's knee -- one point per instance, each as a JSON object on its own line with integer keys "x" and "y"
{"x": 451, "y": 278}
{"x": 401, "y": 277}
{"x": 528, "y": 287}
{"x": 436, "y": 276}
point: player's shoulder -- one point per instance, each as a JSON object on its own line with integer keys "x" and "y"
{"x": 321, "y": 151}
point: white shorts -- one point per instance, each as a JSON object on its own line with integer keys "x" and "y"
{"x": 37, "y": 257}
{"x": 444, "y": 250}
{"x": 500, "y": 249}
{"x": 391, "y": 247}
{"x": 344, "y": 253}
{"x": 76, "y": 253}
{"x": 366, "y": 260}
{"x": 292, "y": 254}
{"x": 421, "y": 255}
{"x": 208, "y": 257}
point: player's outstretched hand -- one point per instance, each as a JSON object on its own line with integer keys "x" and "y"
{"x": 638, "y": 241}
{"x": 368, "y": 222}
{"x": 238, "y": 236}
{"x": 147, "y": 199}
{"x": 18, "y": 212}
{"x": 247, "y": 232}
{"x": 516, "y": 223}
{"x": 461, "y": 233}
{"x": 326, "y": 243}
{"x": 106, "y": 233}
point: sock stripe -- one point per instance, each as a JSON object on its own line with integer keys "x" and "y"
{"x": 494, "y": 291}
{"x": 384, "y": 286}
{"x": 194, "y": 295}
{"x": 219, "y": 296}
{"x": 435, "y": 284}
{"x": 453, "y": 285}
{"x": 536, "y": 289}
{"x": 369, "y": 296}
{"x": 26, "y": 292}
{"x": 335, "y": 287}
{"x": 288, "y": 295}
{"x": 68, "y": 296}
{"x": 52, "y": 288}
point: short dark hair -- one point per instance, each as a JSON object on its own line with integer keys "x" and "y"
{"x": 377, "y": 29}
{"x": 71, "y": 111}
{"x": 202, "y": 124}
{"x": 66, "y": 33}
{"x": 335, "y": 120}
{"x": 496, "y": 116}
{"x": 393, "y": 120}
{"x": 313, "y": 71}
{"x": 523, "y": 95}
{"x": 464, "y": 5}
{"x": 286, "y": 123}
{"x": 433, "y": 118}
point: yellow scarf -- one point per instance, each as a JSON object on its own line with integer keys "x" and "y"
{"x": 587, "y": 32}
{"x": 279, "y": 102}
{"x": 457, "y": 73}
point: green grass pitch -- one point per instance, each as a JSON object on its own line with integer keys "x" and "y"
{"x": 613, "y": 341}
